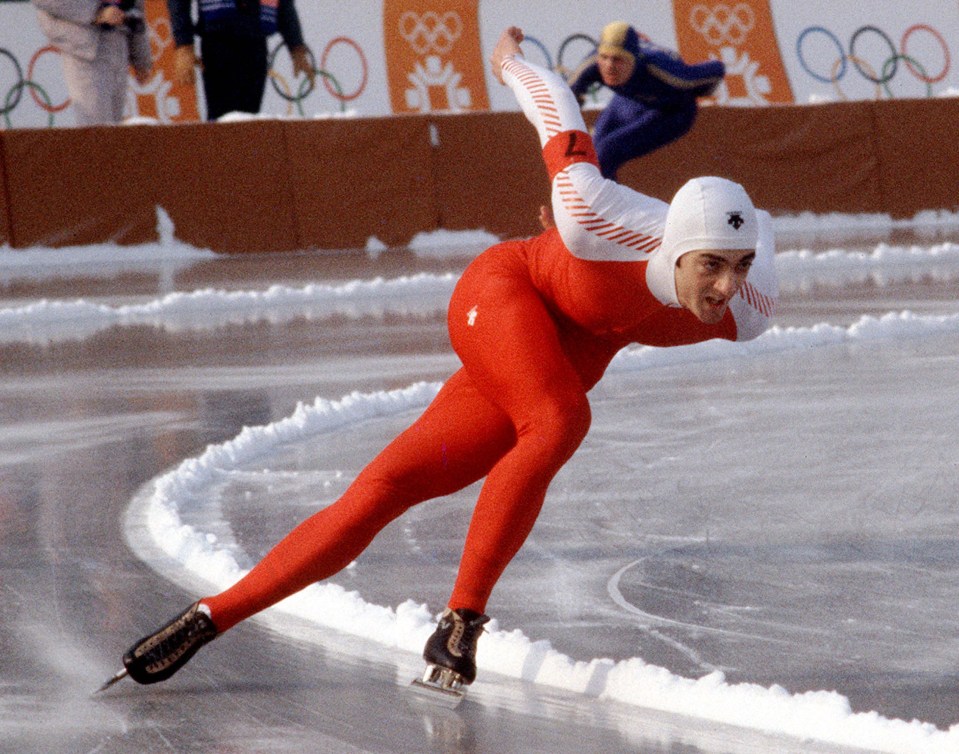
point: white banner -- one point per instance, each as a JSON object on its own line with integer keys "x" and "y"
{"x": 383, "y": 57}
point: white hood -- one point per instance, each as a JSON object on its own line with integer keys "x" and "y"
{"x": 706, "y": 213}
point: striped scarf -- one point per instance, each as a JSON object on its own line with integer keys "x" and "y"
{"x": 214, "y": 12}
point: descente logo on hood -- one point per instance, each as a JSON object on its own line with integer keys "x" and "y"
{"x": 736, "y": 219}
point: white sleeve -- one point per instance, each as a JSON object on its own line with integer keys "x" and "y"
{"x": 598, "y": 219}
{"x": 602, "y": 220}
{"x": 755, "y": 304}
{"x": 544, "y": 97}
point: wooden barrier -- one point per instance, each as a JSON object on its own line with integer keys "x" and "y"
{"x": 489, "y": 174}
{"x": 271, "y": 185}
{"x": 350, "y": 180}
{"x": 6, "y": 237}
{"x": 791, "y": 159}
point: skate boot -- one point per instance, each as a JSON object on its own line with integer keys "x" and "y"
{"x": 450, "y": 652}
{"x": 161, "y": 654}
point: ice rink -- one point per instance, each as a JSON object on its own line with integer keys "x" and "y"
{"x": 754, "y": 551}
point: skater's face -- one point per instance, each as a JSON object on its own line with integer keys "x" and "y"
{"x": 615, "y": 68}
{"x": 707, "y": 280}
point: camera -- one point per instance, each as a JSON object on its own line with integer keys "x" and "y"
{"x": 135, "y": 22}
{"x": 133, "y": 17}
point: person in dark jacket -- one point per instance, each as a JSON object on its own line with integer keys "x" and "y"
{"x": 654, "y": 94}
{"x": 233, "y": 49}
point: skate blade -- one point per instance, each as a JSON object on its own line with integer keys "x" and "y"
{"x": 119, "y": 676}
{"x": 440, "y": 685}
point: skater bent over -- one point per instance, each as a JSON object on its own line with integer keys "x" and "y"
{"x": 654, "y": 99}
{"x": 535, "y": 324}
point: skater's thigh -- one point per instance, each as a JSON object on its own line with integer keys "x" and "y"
{"x": 510, "y": 345}
{"x": 454, "y": 443}
{"x": 619, "y": 113}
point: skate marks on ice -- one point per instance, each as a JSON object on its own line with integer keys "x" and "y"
{"x": 648, "y": 621}
{"x": 499, "y": 713}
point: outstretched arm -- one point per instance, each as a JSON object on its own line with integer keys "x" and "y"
{"x": 597, "y": 219}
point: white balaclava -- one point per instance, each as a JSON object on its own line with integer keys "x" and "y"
{"x": 706, "y": 213}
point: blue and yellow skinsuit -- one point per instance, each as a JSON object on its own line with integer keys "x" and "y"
{"x": 655, "y": 106}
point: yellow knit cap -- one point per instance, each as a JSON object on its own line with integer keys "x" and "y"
{"x": 619, "y": 38}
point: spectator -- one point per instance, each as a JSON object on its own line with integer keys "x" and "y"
{"x": 233, "y": 50}
{"x": 98, "y": 41}
{"x": 654, "y": 94}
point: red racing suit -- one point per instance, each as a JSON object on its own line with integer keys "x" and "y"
{"x": 535, "y": 326}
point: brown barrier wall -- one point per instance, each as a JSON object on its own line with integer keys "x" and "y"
{"x": 353, "y": 179}
{"x": 5, "y": 237}
{"x": 286, "y": 185}
{"x": 489, "y": 174}
{"x": 820, "y": 159}
{"x": 918, "y": 154}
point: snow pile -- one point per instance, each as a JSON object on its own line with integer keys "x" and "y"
{"x": 890, "y": 326}
{"x": 424, "y": 294}
{"x": 108, "y": 259}
{"x": 886, "y": 264}
{"x": 208, "y": 309}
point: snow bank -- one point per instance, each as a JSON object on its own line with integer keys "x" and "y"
{"x": 46, "y": 321}
{"x": 40, "y": 263}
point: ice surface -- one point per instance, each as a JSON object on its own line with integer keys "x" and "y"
{"x": 818, "y": 461}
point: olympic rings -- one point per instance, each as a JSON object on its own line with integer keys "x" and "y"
{"x": 892, "y": 54}
{"x": 14, "y": 95}
{"x": 909, "y": 62}
{"x": 542, "y": 48}
{"x": 330, "y": 82}
{"x": 328, "y": 77}
{"x": 842, "y": 62}
{"x": 278, "y": 80}
{"x": 17, "y": 90}
{"x": 560, "y": 65}
{"x": 33, "y": 62}
{"x": 591, "y": 45}
{"x": 17, "y": 87}
{"x": 431, "y": 32}
{"x": 947, "y": 63}
{"x": 722, "y": 24}
{"x": 890, "y": 66}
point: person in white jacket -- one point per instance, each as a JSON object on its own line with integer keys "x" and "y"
{"x": 98, "y": 41}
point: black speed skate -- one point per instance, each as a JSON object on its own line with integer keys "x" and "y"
{"x": 161, "y": 654}
{"x": 450, "y": 654}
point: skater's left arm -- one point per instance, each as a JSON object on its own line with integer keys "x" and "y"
{"x": 598, "y": 219}
{"x": 691, "y": 79}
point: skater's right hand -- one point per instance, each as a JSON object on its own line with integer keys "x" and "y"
{"x": 506, "y": 47}
{"x": 109, "y": 15}
{"x": 184, "y": 63}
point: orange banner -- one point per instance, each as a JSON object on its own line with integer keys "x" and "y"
{"x": 159, "y": 97}
{"x": 433, "y": 57}
{"x": 741, "y": 34}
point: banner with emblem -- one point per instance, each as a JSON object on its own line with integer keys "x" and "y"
{"x": 434, "y": 59}
{"x": 740, "y": 33}
{"x": 159, "y": 97}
